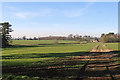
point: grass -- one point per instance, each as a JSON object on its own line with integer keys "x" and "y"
{"x": 13, "y": 77}
{"x": 24, "y": 62}
{"x": 36, "y": 53}
{"x": 27, "y": 56}
{"x": 113, "y": 46}
{"x": 46, "y": 49}
{"x": 102, "y": 46}
{"x": 37, "y": 42}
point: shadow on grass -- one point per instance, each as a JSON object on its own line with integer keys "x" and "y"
{"x": 34, "y": 45}
{"x": 22, "y": 46}
{"x": 55, "y": 55}
{"x": 45, "y": 55}
{"x": 28, "y": 45}
{"x": 58, "y": 72}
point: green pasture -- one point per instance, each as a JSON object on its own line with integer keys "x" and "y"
{"x": 27, "y": 54}
{"x": 113, "y": 46}
{"x": 37, "y": 42}
{"x": 33, "y": 55}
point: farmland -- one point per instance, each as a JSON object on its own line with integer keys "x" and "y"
{"x": 60, "y": 40}
{"x": 44, "y": 59}
{"x": 113, "y": 46}
{"x": 33, "y": 51}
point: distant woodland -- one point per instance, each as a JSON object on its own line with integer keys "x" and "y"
{"x": 5, "y": 29}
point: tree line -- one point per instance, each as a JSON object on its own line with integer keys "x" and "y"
{"x": 110, "y": 38}
{"x": 5, "y": 29}
{"x": 69, "y": 37}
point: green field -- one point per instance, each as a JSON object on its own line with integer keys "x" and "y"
{"x": 37, "y": 42}
{"x": 32, "y": 55}
{"x": 113, "y": 46}
{"x": 26, "y": 54}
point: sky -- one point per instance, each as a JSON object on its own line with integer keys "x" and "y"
{"x": 60, "y": 18}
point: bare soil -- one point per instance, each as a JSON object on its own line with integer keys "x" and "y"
{"x": 96, "y": 65}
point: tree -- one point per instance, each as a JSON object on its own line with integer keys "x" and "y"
{"x": 39, "y": 38}
{"x": 102, "y": 35}
{"x": 111, "y": 33}
{"x": 24, "y": 37}
{"x": 102, "y": 38}
{"x": 76, "y": 37}
{"x": 35, "y": 38}
{"x": 4, "y": 31}
{"x": 70, "y": 36}
{"x": 110, "y": 37}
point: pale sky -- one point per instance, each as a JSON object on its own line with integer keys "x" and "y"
{"x": 60, "y": 18}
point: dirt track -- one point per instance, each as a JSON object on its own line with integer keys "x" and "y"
{"x": 98, "y": 64}
{"x": 102, "y": 65}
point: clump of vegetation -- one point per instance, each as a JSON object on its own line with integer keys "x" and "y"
{"x": 110, "y": 38}
{"x": 13, "y": 77}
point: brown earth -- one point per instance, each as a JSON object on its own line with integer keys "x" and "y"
{"x": 102, "y": 65}
{"x": 96, "y": 65}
